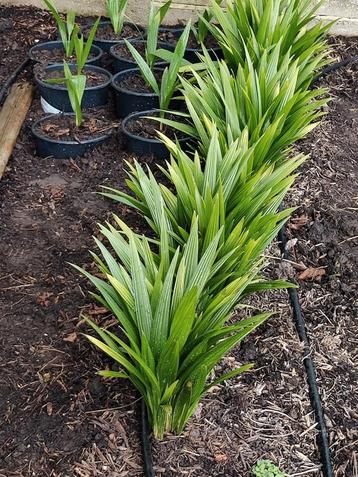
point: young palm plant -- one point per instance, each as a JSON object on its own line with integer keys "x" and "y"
{"x": 116, "y": 10}
{"x": 271, "y": 101}
{"x": 188, "y": 289}
{"x": 65, "y": 28}
{"x": 173, "y": 330}
{"x": 202, "y": 30}
{"x": 76, "y": 84}
{"x": 169, "y": 81}
{"x": 155, "y": 19}
{"x": 83, "y": 48}
{"x": 256, "y": 25}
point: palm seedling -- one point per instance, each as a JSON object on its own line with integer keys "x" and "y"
{"x": 65, "y": 28}
{"x": 116, "y": 10}
{"x": 271, "y": 101}
{"x": 257, "y": 25}
{"x": 155, "y": 19}
{"x": 83, "y": 47}
{"x": 201, "y": 29}
{"x": 169, "y": 81}
{"x": 76, "y": 84}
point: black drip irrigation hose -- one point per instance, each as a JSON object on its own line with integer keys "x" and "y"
{"x": 337, "y": 66}
{"x": 316, "y": 403}
{"x": 146, "y": 446}
{"x": 12, "y": 78}
{"x": 322, "y": 438}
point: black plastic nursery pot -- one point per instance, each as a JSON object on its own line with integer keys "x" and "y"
{"x": 127, "y": 101}
{"x": 57, "y": 96}
{"x": 121, "y": 64}
{"x": 94, "y": 59}
{"x": 62, "y": 149}
{"x": 106, "y": 45}
{"x": 143, "y": 146}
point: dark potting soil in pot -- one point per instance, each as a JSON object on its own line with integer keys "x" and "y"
{"x": 122, "y": 51}
{"x": 168, "y": 37}
{"x": 94, "y": 78}
{"x": 63, "y": 128}
{"x": 137, "y": 84}
{"x": 106, "y": 32}
{"x": 57, "y": 55}
{"x": 209, "y": 42}
{"x": 147, "y": 128}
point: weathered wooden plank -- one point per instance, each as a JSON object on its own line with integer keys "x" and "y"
{"x": 12, "y": 116}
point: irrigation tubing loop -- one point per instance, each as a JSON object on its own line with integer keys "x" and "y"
{"x": 323, "y": 442}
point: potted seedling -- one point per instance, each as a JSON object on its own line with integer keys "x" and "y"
{"x": 53, "y": 86}
{"x": 139, "y": 89}
{"x": 115, "y": 29}
{"x": 141, "y": 128}
{"x": 122, "y": 56}
{"x": 199, "y": 36}
{"x": 70, "y": 135}
{"x": 54, "y": 52}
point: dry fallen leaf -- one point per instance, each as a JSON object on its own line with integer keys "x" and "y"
{"x": 296, "y": 223}
{"x": 49, "y": 408}
{"x": 43, "y": 298}
{"x": 71, "y": 338}
{"x": 290, "y": 245}
{"x": 312, "y": 273}
{"x": 220, "y": 457}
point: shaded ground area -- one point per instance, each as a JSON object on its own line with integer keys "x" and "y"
{"x": 58, "y": 419}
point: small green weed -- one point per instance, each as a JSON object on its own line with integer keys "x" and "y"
{"x": 266, "y": 468}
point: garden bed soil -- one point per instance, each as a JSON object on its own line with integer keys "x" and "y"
{"x": 105, "y": 32}
{"x": 147, "y": 128}
{"x": 59, "y": 419}
{"x": 55, "y": 55}
{"x": 19, "y": 30}
{"x": 93, "y": 78}
{"x": 63, "y": 128}
{"x": 137, "y": 84}
{"x": 168, "y": 37}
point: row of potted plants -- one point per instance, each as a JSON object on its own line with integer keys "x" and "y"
{"x": 175, "y": 292}
{"x": 145, "y": 65}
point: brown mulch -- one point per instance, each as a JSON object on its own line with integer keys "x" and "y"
{"x": 324, "y": 237}
{"x": 19, "y": 30}
{"x": 58, "y": 419}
